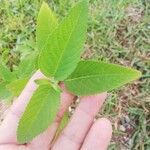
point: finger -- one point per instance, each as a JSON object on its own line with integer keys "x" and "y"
{"x": 9, "y": 125}
{"x": 99, "y": 135}
{"x": 43, "y": 140}
{"x": 75, "y": 132}
{"x": 13, "y": 147}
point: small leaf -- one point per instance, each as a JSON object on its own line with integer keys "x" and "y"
{"x": 40, "y": 112}
{"x": 63, "y": 124}
{"x": 4, "y": 93}
{"x": 27, "y": 66}
{"x": 62, "y": 52}
{"x": 91, "y": 77}
{"x": 46, "y": 24}
{"x": 17, "y": 86}
{"x": 6, "y": 74}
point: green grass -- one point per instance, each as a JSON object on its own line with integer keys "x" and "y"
{"x": 119, "y": 32}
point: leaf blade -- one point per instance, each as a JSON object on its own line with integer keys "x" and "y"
{"x": 46, "y": 24}
{"x": 6, "y": 74}
{"x": 65, "y": 45}
{"x": 27, "y": 66}
{"x": 91, "y": 77}
{"x": 62, "y": 125}
{"x": 4, "y": 93}
{"x": 17, "y": 86}
{"x": 40, "y": 112}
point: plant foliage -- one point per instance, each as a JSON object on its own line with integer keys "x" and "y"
{"x": 60, "y": 46}
{"x": 91, "y": 77}
{"x": 61, "y": 51}
{"x": 38, "y": 114}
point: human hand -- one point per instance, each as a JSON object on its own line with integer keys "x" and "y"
{"x": 81, "y": 133}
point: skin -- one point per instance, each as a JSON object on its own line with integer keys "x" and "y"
{"x": 81, "y": 133}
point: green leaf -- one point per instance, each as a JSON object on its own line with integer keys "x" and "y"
{"x": 27, "y": 66}
{"x": 40, "y": 112}
{"x": 6, "y": 74}
{"x": 17, "y": 86}
{"x": 63, "y": 123}
{"x": 46, "y": 23}
{"x": 62, "y": 52}
{"x": 42, "y": 81}
{"x": 91, "y": 77}
{"x": 4, "y": 93}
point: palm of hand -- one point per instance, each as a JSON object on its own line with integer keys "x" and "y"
{"x": 81, "y": 133}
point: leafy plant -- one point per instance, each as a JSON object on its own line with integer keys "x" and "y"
{"x": 39, "y": 111}
{"x": 60, "y": 46}
{"x": 13, "y": 82}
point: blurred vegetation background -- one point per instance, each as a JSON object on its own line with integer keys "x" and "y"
{"x": 118, "y": 32}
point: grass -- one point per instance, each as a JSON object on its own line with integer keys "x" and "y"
{"x": 119, "y": 32}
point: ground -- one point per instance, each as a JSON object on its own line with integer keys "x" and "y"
{"x": 118, "y": 32}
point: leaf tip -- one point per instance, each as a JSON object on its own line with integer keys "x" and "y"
{"x": 44, "y": 4}
{"x": 138, "y": 74}
{"x": 44, "y": 7}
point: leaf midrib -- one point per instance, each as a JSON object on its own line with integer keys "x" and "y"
{"x": 91, "y": 76}
{"x": 59, "y": 60}
{"x": 36, "y": 116}
{"x": 51, "y": 33}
